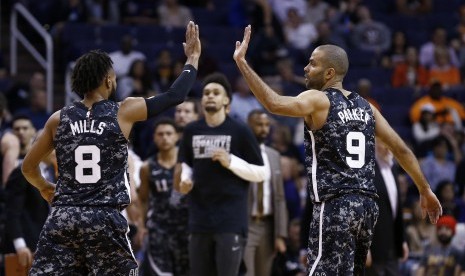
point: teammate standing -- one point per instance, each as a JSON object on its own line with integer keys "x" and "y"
{"x": 85, "y": 232}
{"x": 166, "y": 220}
{"x": 340, "y": 130}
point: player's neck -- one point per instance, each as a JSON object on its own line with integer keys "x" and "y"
{"x": 91, "y": 98}
{"x": 333, "y": 84}
{"x": 215, "y": 119}
{"x": 167, "y": 158}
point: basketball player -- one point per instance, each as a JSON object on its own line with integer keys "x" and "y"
{"x": 166, "y": 253}
{"x": 340, "y": 130}
{"x": 85, "y": 232}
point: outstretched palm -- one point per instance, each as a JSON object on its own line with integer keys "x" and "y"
{"x": 192, "y": 44}
{"x": 241, "y": 47}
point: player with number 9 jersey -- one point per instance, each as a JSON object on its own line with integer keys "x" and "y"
{"x": 92, "y": 153}
{"x": 340, "y": 156}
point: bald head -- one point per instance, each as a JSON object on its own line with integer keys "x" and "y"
{"x": 334, "y": 57}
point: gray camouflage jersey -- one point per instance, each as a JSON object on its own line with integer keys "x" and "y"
{"x": 92, "y": 157}
{"x": 340, "y": 157}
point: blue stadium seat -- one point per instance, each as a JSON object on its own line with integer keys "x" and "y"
{"x": 78, "y": 32}
{"x": 397, "y": 115}
{"x": 113, "y": 33}
{"x": 204, "y": 17}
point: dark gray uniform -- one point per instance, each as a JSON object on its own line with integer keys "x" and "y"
{"x": 340, "y": 159}
{"x": 85, "y": 232}
{"x": 167, "y": 220}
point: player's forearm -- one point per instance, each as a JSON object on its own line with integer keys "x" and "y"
{"x": 34, "y": 177}
{"x": 267, "y": 97}
{"x": 409, "y": 163}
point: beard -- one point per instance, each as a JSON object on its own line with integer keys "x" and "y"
{"x": 444, "y": 239}
{"x": 211, "y": 109}
{"x": 315, "y": 83}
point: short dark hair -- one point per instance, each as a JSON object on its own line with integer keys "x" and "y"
{"x": 335, "y": 57}
{"x": 21, "y": 116}
{"x": 222, "y": 80}
{"x": 89, "y": 71}
{"x": 164, "y": 121}
{"x": 254, "y": 112}
{"x": 195, "y": 102}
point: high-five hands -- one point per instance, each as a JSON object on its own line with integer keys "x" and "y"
{"x": 241, "y": 47}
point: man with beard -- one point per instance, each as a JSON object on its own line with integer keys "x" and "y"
{"x": 85, "y": 232}
{"x": 443, "y": 258}
{"x": 218, "y": 157}
{"x": 340, "y": 129}
{"x": 268, "y": 217}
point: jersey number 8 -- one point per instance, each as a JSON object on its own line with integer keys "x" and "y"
{"x": 87, "y": 159}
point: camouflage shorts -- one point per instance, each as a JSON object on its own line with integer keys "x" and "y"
{"x": 340, "y": 235}
{"x": 167, "y": 252}
{"x": 84, "y": 241}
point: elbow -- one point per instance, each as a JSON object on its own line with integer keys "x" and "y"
{"x": 26, "y": 169}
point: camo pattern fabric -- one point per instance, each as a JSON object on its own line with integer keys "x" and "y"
{"x": 84, "y": 241}
{"x": 167, "y": 221}
{"x": 340, "y": 157}
{"x": 339, "y": 245}
{"x": 92, "y": 157}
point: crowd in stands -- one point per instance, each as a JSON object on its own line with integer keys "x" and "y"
{"x": 407, "y": 58}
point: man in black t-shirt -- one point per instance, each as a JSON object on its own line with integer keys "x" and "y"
{"x": 218, "y": 157}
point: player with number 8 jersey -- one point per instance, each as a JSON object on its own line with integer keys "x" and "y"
{"x": 85, "y": 232}
{"x": 92, "y": 153}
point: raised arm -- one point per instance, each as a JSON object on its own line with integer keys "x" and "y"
{"x": 134, "y": 109}
{"x": 429, "y": 203}
{"x": 301, "y": 106}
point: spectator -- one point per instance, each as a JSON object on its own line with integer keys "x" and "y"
{"x": 137, "y": 83}
{"x": 19, "y": 94}
{"x": 291, "y": 83}
{"x": 289, "y": 264}
{"x": 294, "y": 187}
{"x": 442, "y": 258}
{"x": 139, "y": 12}
{"x": 451, "y": 204}
{"x": 299, "y": 34}
{"x": 186, "y": 112}
{"x": 414, "y": 7}
{"x": 420, "y": 235}
{"x": 315, "y": 12}
{"x": 443, "y": 70}
{"x": 265, "y": 50}
{"x": 164, "y": 72}
{"x": 438, "y": 39}
{"x": 425, "y": 130}
{"x": 123, "y": 58}
{"x": 173, "y": 15}
{"x": 364, "y": 89}
{"x": 447, "y": 110}
{"x": 397, "y": 52}
{"x": 280, "y": 8}
{"x": 326, "y": 35}
{"x": 410, "y": 73}
{"x": 370, "y": 35}
{"x": 437, "y": 167}
{"x": 243, "y": 101}
{"x": 102, "y": 11}
{"x": 37, "y": 109}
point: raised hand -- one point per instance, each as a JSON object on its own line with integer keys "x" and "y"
{"x": 192, "y": 47}
{"x": 241, "y": 47}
